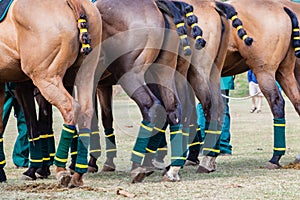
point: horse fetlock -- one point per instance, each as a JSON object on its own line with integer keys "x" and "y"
{"x": 42, "y": 172}
{"x": 109, "y": 165}
{"x": 172, "y": 175}
{"x": 160, "y": 165}
{"x": 29, "y": 174}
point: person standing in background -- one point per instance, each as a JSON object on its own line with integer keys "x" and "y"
{"x": 254, "y": 92}
{"x": 226, "y": 84}
{"x": 21, "y": 147}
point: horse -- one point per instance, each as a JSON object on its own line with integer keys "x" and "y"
{"x": 272, "y": 57}
{"x": 217, "y": 51}
{"x": 130, "y": 48}
{"x": 43, "y": 52}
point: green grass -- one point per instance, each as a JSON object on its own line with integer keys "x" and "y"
{"x": 239, "y": 176}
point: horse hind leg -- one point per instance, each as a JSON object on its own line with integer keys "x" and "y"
{"x": 2, "y": 155}
{"x": 149, "y": 105}
{"x": 105, "y": 98}
{"x": 270, "y": 90}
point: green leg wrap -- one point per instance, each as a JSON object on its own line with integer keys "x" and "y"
{"x": 64, "y": 144}
{"x": 185, "y": 139}
{"x": 45, "y": 149}
{"x": 153, "y": 145}
{"x": 177, "y": 158}
{"x": 155, "y": 140}
{"x": 95, "y": 148}
{"x": 36, "y": 155}
{"x": 51, "y": 147}
{"x": 110, "y": 142}
{"x": 82, "y": 155}
{"x": 73, "y": 149}
{"x": 194, "y": 140}
{"x": 211, "y": 146}
{"x": 162, "y": 149}
{"x": 2, "y": 155}
{"x": 279, "y": 137}
{"x": 141, "y": 142}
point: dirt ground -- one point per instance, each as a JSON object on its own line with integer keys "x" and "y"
{"x": 240, "y": 176}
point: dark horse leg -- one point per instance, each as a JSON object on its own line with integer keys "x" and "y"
{"x": 286, "y": 78}
{"x": 45, "y": 121}
{"x": 105, "y": 98}
{"x": 24, "y": 95}
{"x": 2, "y": 156}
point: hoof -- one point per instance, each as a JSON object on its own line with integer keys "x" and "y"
{"x": 2, "y": 175}
{"x": 63, "y": 178}
{"x": 29, "y": 175}
{"x": 203, "y": 170}
{"x": 92, "y": 169}
{"x": 107, "y": 168}
{"x": 172, "y": 175}
{"x": 207, "y": 165}
{"x": 76, "y": 180}
{"x": 191, "y": 163}
{"x": 42, "y": 172}
{"x": 138, "y": 175}
{"x": 158, "y": 164}
{"x": 270, "y": 165}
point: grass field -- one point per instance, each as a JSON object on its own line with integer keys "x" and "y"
{"x": 239, "y": 176}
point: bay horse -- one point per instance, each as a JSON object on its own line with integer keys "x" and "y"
{"x": 271, "y": 58}
{"x": 135, "y": 39}
{"x": 43, "y": 52}
{"x": 203, "y": 73}
{"x": 204, "y": 63}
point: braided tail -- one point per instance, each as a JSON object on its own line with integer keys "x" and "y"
{"x": 181, "y": 29}
{"x": 231, "y": 14}
{"x": 196, "y": 31}
{"x": 84, "y": 36}
{"x": 295, "y": 32}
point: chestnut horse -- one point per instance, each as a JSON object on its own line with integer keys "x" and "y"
{"x": 272, "y": 57}
{"x": 41, "y": 46}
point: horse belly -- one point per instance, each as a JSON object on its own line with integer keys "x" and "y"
{"x": 11, "y": 74}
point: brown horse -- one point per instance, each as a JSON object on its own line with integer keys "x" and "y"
{"x": 272, "y": 57}
{"x": 135, "y": 41}
{"x": 203, "y": 73}
{"x": 201, "y": 70}
{"x": 41, "y": 46}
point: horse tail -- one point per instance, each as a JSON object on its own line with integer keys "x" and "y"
{"x": 231, "y": 14}
{"x": 295, "y": 32}
{"x": 82, "y": 20}
{"x": 192, "y": 20}
{"x": 170, "y": 9}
